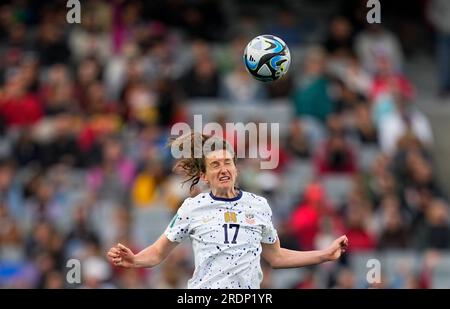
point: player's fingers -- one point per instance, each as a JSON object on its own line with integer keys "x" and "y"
{"x": 111, "y": 258}
{"x": 342, "y": 241}
{"x": 343, "y": 238}
{"x": 114, "y": 250}
{"x": 112, "y": 254}
{"x": 123, "y": 253}
{"x": 123, "y": 248}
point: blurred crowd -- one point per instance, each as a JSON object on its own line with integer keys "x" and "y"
{"x": 86, "y": 111}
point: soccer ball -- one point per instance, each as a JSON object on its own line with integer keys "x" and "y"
{"x": 267, "y": 58}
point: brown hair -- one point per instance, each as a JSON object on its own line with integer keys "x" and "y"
{"x": 192, "y": 167}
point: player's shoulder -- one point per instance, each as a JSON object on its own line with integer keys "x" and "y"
{"x": 258, "y": 201}
{"x": 254, "y": 198}
{"x": 193, "y": 201}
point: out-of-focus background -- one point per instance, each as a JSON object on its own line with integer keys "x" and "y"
{"x": 86, "y": 110}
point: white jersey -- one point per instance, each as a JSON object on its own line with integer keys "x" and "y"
{"x": 226, "y": 235}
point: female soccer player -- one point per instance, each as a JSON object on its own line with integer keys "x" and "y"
{"x": 230, "y": 229}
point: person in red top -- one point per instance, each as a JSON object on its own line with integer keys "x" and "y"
{"x": 17, "y": 107}
{"x": 305, "y": 223}
{"x": 356, "y": 229}
{"x": 386, "y": 78}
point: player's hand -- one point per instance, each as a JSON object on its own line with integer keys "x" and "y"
{"x": 336, "y": 249}
{"x": 121, "y": 256}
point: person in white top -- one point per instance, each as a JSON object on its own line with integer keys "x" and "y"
{"x": 230, "y": 229}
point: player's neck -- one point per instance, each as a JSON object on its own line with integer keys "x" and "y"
{"x": 225, "y": 193}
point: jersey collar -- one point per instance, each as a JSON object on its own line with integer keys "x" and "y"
{"x": 226, "y": 199}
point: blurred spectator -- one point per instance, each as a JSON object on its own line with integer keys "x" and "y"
{"x": 365, "y": 131}
{"x": 238, "y": 87}
{"x": 375, "y": 41}
{"x": 434, "y": 232}
{"x": 88, "y": 71}
{"x": 312, "y": 96}
{"x": 53, "y": 280}
{"x": 26, "y": 150}
{"x": 345, "y": 279}
{"x": 298, "y": 143}
{"x": 306, "y": 218}
{"x": 404, "y": 120}
{"x": 438, "y": 13}
{"x": 51, "y": 45}
{"x": 202, "y": 80}
{"x": 88, "y": 39}
{"x": 389, "y": 81}
{"x": 57, "y": 91}
{"x": 335, "y": 155}
{"x": 125, "y": 18}
{"x": 17, "y": 43}
{"x": 339, "y": 40}
{"x": 394, "y": 234}
{"x": 81, "y": 233}
{"x": 354, "y": 77}
{"x": 96, "y": 272}
{"x": 204, "y": 19}
{"x": 113, "y": 177}
{"x": 17, "y": 106}
{"x": 230, "y": 56}
{"x": 132, "y": 278}
{"x": 147, "y": 186}
{"x": 357, "y": 231}
{"x": 287, "y": 27}
{"x": 11, "y": 238}
{"x": 10, "y": 190}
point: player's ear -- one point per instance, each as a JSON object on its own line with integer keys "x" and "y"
{"x": 203, "y": 177}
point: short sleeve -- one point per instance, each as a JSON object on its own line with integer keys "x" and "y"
{"x": 178, "y": 228}
{"x": 269, "y": 233}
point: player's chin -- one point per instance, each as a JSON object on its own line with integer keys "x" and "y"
{"x": 225, "y": 184}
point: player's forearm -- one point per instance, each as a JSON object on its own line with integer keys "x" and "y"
{"x": 149, "y": 257}
{"x": 291, "y": 259}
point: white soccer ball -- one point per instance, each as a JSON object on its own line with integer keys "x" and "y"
{"x": 267, "y": 58}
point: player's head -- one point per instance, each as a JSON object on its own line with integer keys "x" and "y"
{"x": 211, "y": 159}
{"x": 220, "y": 170}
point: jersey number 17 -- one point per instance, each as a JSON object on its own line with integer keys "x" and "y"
{"x": 227, "y": 227}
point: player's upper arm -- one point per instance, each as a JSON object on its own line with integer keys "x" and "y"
{"x": 179, "y": 227}
{"x": 271, "y": 252}
{"x": 269, "y": 233}
{"x": 164, "y": 246}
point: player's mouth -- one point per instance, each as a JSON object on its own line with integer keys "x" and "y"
{"x": 224, "y": 178}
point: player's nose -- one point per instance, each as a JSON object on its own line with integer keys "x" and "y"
{"x": 223, "y": 171}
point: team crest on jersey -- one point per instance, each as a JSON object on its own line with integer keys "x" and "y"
{"x": 249, "y": 218}
{"x": 230, "y": 216}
